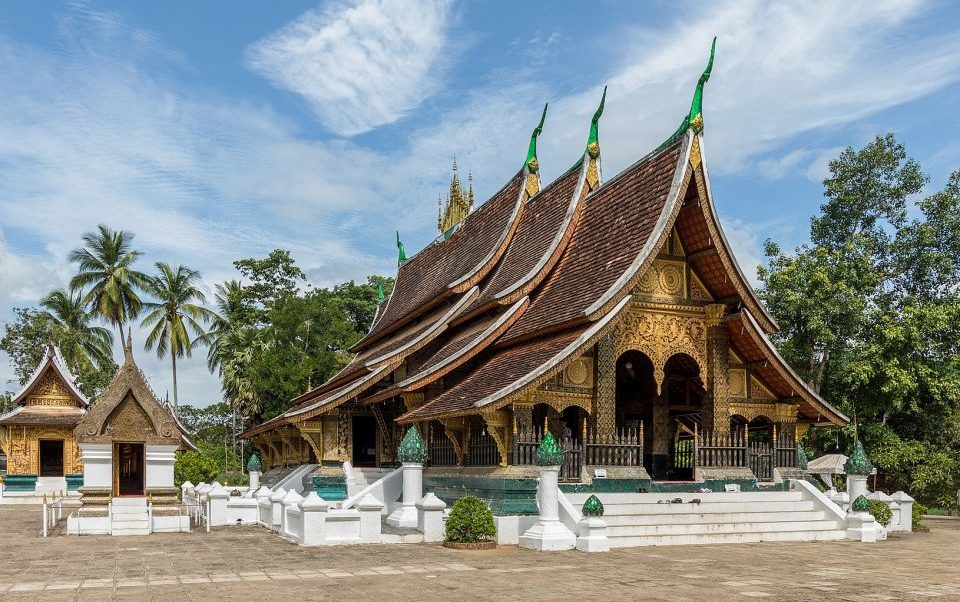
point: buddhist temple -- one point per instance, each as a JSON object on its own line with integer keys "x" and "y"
{"x": 611, "y": 313}
{"x": 37, "y": 436}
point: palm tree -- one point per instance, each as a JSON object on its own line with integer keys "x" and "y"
{"x": 105, "y": 266}
{"x": 174, "y": 318}
{"x": 77, "y": 338}
{"x": 231, "y": 309}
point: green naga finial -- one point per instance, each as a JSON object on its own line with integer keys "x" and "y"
{"x": 254, "y": 464}
{"x": 695, "y": 119}
{"x": 858, "y": 464}
{"x": 380, "y": 296}
{"x": 549, "y": 453}
{"x": 401, "y": 254}
{"x": 593, "y": 507}
{"x": 593, "y": 141}
{"x": 412, "y": 449}
{"x": 531, "y": 162}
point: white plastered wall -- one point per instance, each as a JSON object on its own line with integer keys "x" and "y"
{"x": 160, "y": 459}
{"x": 97, "y": 464}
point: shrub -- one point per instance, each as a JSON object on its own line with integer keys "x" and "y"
{"x": 918, "y": 511}
{"x": 470, "y": 521}
{"x": 233, "y": 477}
{"x": 881, "y": 511}
{"x": 195, "y": 467}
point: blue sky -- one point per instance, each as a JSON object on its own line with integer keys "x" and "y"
{"x": 221, "y": 130}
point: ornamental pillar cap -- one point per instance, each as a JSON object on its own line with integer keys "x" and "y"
{"x": 254, "y": 464}
{"x": 549, "y": 453}
{"x": 901, "y": 496}
{"x": 218, "y": 492}
{"x": 313, "y": 503}
{"x": 861, "y": 504}
{"x": 412, "y": 449}
{"x": 277, "y": 495}
{"x": 186, "y": 485}
{"x": 369, "y": 502}
{"x": 263, "y": 492}
{"x": 858, "y": 464}
{"x": 593, "y": 507}
{"x": 292, "y": 498}
{"x": 431, "y": 502}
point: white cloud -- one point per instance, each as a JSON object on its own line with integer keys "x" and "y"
{"x": 361, "y": 64}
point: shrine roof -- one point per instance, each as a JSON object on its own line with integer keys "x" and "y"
{"x": 53, "y": 360}
{"x": 43, "y": 415}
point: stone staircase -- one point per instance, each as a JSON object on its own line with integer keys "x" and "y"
{"x": 361, "y": 477}
{"x": 658, "y": 519}
{"x": 130, "y": 516}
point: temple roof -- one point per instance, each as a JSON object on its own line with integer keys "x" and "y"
{"x": 43, "y": 415}
{"x": 52, "y": 362}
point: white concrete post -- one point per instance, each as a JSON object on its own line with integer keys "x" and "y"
{"x": 254, "y": 480}
{"x": 906, "y": 509}
{"x": 184, "y": 488}
{"x": 276, "y": 504}
{"x": 548, "y": 533}
{"x": 292, "y": 498}
{"x": 314, "y": 511}
{"x": 430, "y": 517}
{"x": 856, "y": 486}
{"x": 593, "y": 535}
{"x": 370, "y": 525}
{"x": 264, "y": 508}
{"x": 406, "y": 515}
{"x": 218, "y": 506}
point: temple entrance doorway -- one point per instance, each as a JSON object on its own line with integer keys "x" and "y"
{"x": 51, "y": 458}
{"x": 683, "y": 391}
{"x": 637, "y": 402}
{"x": 129, "y": 467}
{"x": 364, "y": 441}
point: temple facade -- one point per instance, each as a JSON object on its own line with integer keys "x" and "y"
{"x": 610, "y": 312}
{"x": 37, "y": 435}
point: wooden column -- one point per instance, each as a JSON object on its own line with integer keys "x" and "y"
{"x": 716, "y": 405}
{"x": 605, "y": 388}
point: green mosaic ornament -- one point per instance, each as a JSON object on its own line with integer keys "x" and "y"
{"x": 861, "y": 504}
{"x": 858, "y": 464}
{"x": 531, "y": 161}
{"x": 412, "y": 449}
{"x": 593, "y": 507}
{"x": 593, "y": 140}
{"x": 254, "y": 464}
{"x": 401, "y": 253}
{"x": 802, "y": 461}
{"x": 549, "y": 453}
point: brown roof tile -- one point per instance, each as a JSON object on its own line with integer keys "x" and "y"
{"x": 43, "y": 415}
{"x": 425, "y": 278}
{"x": 614, "y": 225}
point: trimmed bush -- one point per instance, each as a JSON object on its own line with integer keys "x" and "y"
{"x": 470, "y": 521}
{"x": 881, "y": 511}
{"x": 918, "y": 511}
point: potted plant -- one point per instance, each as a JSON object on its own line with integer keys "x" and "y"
{"x": 470, "y": 525}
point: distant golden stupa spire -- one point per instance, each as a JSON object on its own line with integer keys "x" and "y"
{"x": 458, "y": 206}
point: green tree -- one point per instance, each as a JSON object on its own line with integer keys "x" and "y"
{"x": 78, "y": 340}
{"x": 106, "y": 266}
{"x": 25, "y": 340}
{"x": 176, "y": 323}
{"x": 870, "y": 314}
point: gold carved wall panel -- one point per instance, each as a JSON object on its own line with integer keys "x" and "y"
{"x": 23, "y": 448}
{"x": 660, "y": 336}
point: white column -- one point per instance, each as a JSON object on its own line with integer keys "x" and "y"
{"x": 370, "y": 525}
{"x": 906, "y": 510}
{"x": 430, "y": 517}
{"x": 314, "y": 518}
{"x": 856, "y": 486}
{"x": 254, "y": 480}
{"x": 276, "y": 503}
{"x": 406, "y": 515}
{"x": 160, "y": 459}
{"x": 218, "y": 506}
{"x": 292, "y": 498}
{"x": 593, "y": 535}
{"x": 548, "y": 533}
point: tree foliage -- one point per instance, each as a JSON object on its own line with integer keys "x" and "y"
{"x": 870, "y": 314}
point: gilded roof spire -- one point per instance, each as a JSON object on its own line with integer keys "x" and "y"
{"x": 593, "y": 144}
{"x": 532, "y": 185}
{"x": 458, "y": 206}
{"x": 695, "y": 118}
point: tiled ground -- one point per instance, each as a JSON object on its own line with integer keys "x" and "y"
{"x": 250, "y": 563}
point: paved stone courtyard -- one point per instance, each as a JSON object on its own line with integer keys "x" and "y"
{"x": 249, "y": 562}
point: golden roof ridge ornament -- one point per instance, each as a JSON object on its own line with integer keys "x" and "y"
{"x": 593, "y": 145}
{"x": 458, "y": 206}
{"x": 531, "y": 164}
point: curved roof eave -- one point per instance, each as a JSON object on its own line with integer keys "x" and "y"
{"x": 727, "y": 257}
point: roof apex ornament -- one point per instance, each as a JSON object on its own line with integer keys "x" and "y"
{"x": 593, "y": 145}
{"x": 458, "y": 207}
{"x": 695, "y": 118}
{"x": 412, "y": 449}
{"x": 380, "y": 296}
{"x": 128, "y": 346}
{"x": 401, "y": 253}
{"x": 549, "y": 453}
{"x": 531, "y": 163}
{"x": 858, "y": 463}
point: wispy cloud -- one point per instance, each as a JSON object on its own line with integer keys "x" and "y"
{"x": 361, "y": 64}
